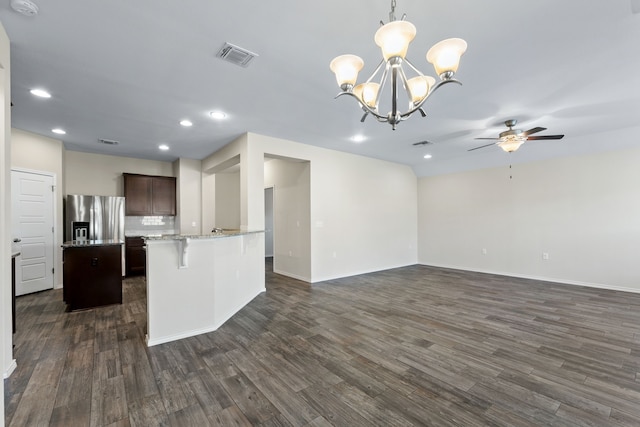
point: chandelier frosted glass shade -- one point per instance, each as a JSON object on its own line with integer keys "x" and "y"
{"x": 367, "y": 93}
{"x": 445, "y": 55}
{"x": 394, "y": 38}
{"x": 419, "y": 87}
{"x": 397, "y": 73}
{"x": 346, "y": 68}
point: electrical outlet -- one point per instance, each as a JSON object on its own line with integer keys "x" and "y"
{"x": 545, "y": 256}
{"x": 484, "y": 251}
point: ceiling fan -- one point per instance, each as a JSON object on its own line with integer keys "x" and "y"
{"x": 510, "y": 140}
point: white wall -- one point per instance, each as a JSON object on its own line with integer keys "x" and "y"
{"x": 189, "y": 195}
{"x": 583, "y": 211}
{"x": 268, "y": 221}
{"x": 227, "y": 200}
{"x": 39, "y": 153}
{"x": 208, "y": 201}
{"x": 6, "y": 346}
{"x": 363, "y": 211}
{"x": 101, "y": 175}
{"x": 291, "y": 182}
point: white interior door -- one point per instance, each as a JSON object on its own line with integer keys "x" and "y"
{"x": 32, "y": 229}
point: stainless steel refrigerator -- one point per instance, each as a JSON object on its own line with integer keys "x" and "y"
{"x": 95, "y": 218}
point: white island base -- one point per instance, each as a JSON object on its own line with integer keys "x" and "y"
{"x": 196, "y": 283}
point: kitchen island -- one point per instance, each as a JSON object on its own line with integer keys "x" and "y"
{"x": 92, "y": 273}
{"x": 195, "y": 283}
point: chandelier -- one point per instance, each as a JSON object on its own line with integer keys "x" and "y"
{"x": 393, "y": 38}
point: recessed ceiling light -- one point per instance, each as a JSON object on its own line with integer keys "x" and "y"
{"x": 163, "y": 147}
{"x": 428, "y": 156}
{"x": 25, "y": 7}
{"x": 186, "y": 123}
{"x": 218, "y": 115}
{"x": 59, "y": 131}
{"x": 40, "y": 93}
{"x": 358, "y": 138}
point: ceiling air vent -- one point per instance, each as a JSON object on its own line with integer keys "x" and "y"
{"x": 236, "y": 55}
{"x": 107, "y": 141}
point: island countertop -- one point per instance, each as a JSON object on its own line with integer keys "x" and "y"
{"x": 87, "y": 243}
{"x": 221, "y": 234}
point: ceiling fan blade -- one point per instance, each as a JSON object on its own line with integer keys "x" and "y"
{"x": 533, "y": 138}
{"x": 533, "y": 130}
{"x": 482, "y": 146}
{"x": 493, "y": 139}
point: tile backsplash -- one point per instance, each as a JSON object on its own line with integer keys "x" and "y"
{"x": 144, "y": 225}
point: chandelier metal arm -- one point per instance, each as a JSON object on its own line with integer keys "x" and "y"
{"x": 433, "y": 89}
{"x": 405, "y": 84}
{"x": 366, "y": 108}
{"x": 383, "y": 81}
{"x": 383, "y": 62}
{"x": 403, "y": 116}
{"x": 413, "y": 67}
{"x": 393, "y": 115}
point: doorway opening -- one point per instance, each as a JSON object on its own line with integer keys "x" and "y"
{"x": 289, "y": 182}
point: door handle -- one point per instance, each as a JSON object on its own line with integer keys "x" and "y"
{"x": 17, "y": 240}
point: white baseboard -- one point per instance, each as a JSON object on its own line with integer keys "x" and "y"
{"x": 187, "y": 334}
{"x": 12, "y": 367}
{"x": 540, "y": 278}
{"x": 360, "y": 272}
{"x": 293, "y": 276}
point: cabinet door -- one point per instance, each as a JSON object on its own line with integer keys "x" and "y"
{"x": 164, "y": 195}
{"x": 135, "y": 255}
{"x": 138, "y": 195}
{"x": 92, "y": 276}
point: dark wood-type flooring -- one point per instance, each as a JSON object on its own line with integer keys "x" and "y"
{"x": 409, "y": 346}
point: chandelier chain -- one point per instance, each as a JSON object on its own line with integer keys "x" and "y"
{"x": 392, "y": 14}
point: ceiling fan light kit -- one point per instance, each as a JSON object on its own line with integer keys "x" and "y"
{"x": 511, "y": 143}
{"x": 393, "y": 39}
{"x": 510, "y": 140}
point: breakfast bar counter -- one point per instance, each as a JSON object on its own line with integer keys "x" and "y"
{"x": 197, "y": 282}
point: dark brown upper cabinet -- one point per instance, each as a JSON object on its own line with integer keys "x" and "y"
{"x": 149, "y": 195}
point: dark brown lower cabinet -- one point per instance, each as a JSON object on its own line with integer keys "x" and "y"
{"x": 135, "y": 256}
{"x": 92, "y": 275}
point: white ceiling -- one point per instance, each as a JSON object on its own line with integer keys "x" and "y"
{"x": 131, "y": 70}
